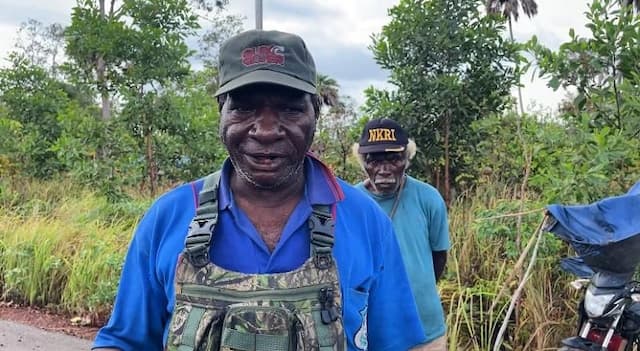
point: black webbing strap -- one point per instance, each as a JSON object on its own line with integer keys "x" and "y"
{"x": 200, "y": 236}
{"x": 198, "y": 241}
{"x": 321, "y": 227}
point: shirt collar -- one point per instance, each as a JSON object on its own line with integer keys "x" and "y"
{"x": 319, "y": 179}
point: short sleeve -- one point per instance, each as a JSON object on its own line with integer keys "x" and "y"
{"x": 438, "y": 223}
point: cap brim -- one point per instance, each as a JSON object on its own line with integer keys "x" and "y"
{"x": 266, "y": 76}
{"x": 367, "y": 149}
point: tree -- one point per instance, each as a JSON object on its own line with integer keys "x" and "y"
{"x": 159, "y": 60}
{"x": 634, "y": 3}
{"x": 98, "y": 43}
{"x": 143, "y": 44}
{"x": 510, "y": 10}
{"x": 337, "y": 129}
{"x": 192, "y": 146}
{"x": 103, "y": 41}
{"x": 451, "y": 66}
{"x": 135, "y": 51}
{"x": 604, "y": 68}
{"x": 219, "y": 28}
{"x": 41, "y": 45}
{"x": 32, "y": 99}
{"x": 327, "y": 90}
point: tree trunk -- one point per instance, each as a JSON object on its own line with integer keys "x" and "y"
{"x": 519, "y": 89}
{"x": 106, "y": 103}
{"x": 100, "y": 73}
{"x": 447, "y": 180}
{"x": 151, "y": 165}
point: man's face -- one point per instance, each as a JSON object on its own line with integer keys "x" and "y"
{"x": 267, "y": 129}
{"x": 385, "y": 171}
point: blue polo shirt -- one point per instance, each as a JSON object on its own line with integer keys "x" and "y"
{"x": 379, "y": 312}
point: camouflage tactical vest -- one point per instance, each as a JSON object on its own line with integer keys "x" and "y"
{"x": 217, "y": 309}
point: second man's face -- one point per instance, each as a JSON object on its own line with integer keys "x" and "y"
{"x": 267, "y": 129}
{"x": 385, "y": 171}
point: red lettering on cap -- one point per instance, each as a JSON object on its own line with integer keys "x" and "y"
{"x": 263, "y": 54}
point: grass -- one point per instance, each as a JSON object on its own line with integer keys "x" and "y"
{"x": 482, "y": 262}
{"x": 62, "y": 247}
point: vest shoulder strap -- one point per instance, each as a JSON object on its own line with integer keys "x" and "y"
{"x": 198, "y": 240}
{"x": 208, "y": 196}
{"x": 200, "y": 236}
{"x": 321, "y": 226}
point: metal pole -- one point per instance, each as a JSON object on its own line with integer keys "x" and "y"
{"x": 258, "y": 14}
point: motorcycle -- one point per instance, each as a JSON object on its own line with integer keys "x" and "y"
{"x": 606, "y": 237}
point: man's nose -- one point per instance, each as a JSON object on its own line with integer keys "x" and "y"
{"x": 385, "y": 168}
{"x": 267, "y": 125}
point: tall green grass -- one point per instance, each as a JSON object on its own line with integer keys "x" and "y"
{"x": 482, "y": 259}
{"x": 62, "y": 247}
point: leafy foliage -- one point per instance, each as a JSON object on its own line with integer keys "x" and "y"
{"x": 451, "y": 66}
{"x": 570, "y": 165}
{"x": 32, "y": 100}
{"x": 71, "y": 181}
{"x": 603, "y": 69}
{"x": 336, "y": 132}
{"x": 41, "y": 45}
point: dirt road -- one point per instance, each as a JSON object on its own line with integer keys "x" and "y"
{"x": 20, "y": 337}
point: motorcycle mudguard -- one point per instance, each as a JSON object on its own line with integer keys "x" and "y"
{"x": 579, "y": 343}
{"x": 611, "y": 280}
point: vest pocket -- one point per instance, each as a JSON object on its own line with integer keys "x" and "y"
{"x": 195, "y": 328}
{"x": 257, "y": 328}
{"x": 314, "y": 334}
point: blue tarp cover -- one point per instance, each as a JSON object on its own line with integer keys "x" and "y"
{"x": 605, "y": 234}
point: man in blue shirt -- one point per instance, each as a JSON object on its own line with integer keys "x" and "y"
{"x": 266, "y": 198}
{"x": 418, "y": 213}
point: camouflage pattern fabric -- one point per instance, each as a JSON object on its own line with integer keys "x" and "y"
{"x": 217, "y": 309}
{"x": 221, "y": 310}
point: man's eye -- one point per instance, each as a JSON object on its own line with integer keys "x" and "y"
{"x": 292, "y": 109}
{"x": 242, "y": 109}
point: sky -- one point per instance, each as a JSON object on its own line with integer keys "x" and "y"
{"x": 338, "y": 34}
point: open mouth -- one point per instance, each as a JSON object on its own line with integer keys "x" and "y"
{"x": 385, "y": 181}
{"x": 265, "y": 160}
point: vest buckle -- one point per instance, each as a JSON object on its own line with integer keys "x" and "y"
{"x": 198, "y": 241}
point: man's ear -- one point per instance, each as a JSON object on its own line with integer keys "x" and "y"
{"x": 222, "y": 100}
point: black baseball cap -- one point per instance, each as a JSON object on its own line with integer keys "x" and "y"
{"x": 259, "y": 56}
{"x": 383, "y": 135}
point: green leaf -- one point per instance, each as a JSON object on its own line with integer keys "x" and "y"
{"x": 580, "y": 101}
{"x": 554, "y": 83}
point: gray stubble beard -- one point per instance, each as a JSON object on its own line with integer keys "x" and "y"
{"x": 293, "y": 171}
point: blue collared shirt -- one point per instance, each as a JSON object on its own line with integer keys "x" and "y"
{"x": 378, "y": 312}
{"x": 236, "y": 234}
